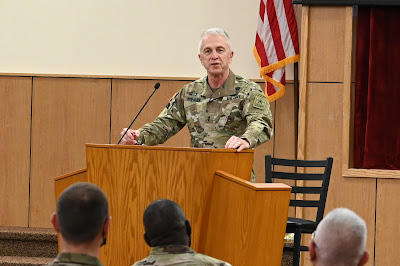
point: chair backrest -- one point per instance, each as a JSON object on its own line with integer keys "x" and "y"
{"x": 324, "y": 176}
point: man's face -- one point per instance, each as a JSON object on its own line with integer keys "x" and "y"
{"x": 215, "y": 55}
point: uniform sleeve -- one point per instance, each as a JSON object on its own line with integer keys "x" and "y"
{"x": 258, "y": 115}
{"x": 168, "y": 123}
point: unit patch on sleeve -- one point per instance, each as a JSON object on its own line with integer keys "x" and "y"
{"x": 260, "y": 102}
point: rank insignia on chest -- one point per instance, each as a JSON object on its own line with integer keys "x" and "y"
{"x": 260, "y": 102}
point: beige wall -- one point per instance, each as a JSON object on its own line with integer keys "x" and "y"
{"x": 121, "y": 37}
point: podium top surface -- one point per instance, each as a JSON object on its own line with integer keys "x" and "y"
{"x": 115, "y": 146}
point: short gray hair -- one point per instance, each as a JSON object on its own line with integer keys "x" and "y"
{"x": 215, "y": 31}
{"x": 341, "y": 237}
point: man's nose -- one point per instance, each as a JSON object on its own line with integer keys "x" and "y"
{"x": 214, "y": 55}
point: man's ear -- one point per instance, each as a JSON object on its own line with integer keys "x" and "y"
{"x": 201, "y": 61}
{"x": 54, "y": 222}
{"x": 106, "y": 225}
{"x": 364, "y": 259}
{"x": 188, "y": 228}
{"x": 146, "y": 238}
{"x": 311, "y": 249}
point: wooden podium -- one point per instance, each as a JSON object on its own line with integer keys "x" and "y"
{"x": 134, "y": 176}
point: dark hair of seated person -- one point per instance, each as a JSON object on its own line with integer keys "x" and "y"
{"x": 166, "y": 224}
{"x": 82, "y": 210}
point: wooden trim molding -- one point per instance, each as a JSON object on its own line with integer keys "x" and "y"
{"x": 189, "y": 79}
{"x": 347, "y": 171}
{"x": 303, "y": 84}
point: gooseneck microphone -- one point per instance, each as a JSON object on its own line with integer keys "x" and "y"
{"x": 156, "y": 86}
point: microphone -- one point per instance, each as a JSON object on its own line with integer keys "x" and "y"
{"x": 156, "y": 86}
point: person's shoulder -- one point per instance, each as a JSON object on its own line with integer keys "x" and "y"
{"x": 207, "y": 260}
{"x": 246, "y": 85}
{"x": 196, "y": 83}
{"x": 74, "y": 259}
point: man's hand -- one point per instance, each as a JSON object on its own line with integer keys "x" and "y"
{"x": 237, "y": 143}
{"x": 131, "y": 137}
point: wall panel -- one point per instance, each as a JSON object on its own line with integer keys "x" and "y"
{"x": 128, "y": 96}
{"x": 67, "y": 113}
{"x": 326, "y": 44}
{"x": 15, "y": 122}
{"x": 387, "y": 225}
{"x": 284, "y": 141}
{"x": 323, "y": 139}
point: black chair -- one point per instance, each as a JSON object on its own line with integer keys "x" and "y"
{"x": 296, "y": 225}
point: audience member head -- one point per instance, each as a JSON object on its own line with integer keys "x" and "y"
{"x": 82, "y": 215}
{"x": 166, "y": 224}
{"x": 340, "y": 239}
{"x": 215, "y": 31}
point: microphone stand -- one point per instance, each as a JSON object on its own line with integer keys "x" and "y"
{"x": 155, "y": 88}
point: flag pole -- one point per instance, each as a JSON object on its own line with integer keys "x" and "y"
{"x": 296, "y": 107}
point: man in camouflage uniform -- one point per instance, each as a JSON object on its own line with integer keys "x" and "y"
{"x": 82, "y": 221}
{"x": 168, "y": 233}
{"x": 222, "y": 110}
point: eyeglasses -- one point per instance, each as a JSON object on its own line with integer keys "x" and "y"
{"x": 313, "y": 238}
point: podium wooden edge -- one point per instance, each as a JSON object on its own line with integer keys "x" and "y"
{"x": 254, "y": 186}
{"x": 93, "y": 145}
{"x": 57, "y": 178}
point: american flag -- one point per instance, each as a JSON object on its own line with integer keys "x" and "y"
{"x": 277, "y": 44}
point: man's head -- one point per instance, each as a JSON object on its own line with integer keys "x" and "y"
{"x": 165, "y": 224}
{"x": 340, "y": 239}
{"x": 82, "y": 214}
{"x": 215, "y": 52}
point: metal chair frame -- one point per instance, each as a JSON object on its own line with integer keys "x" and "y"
{"x": 295, "y": 225}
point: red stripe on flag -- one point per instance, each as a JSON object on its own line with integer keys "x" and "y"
{"x": 262, "y": 10}
{"x": 275, "y": 30}
{"x": 291, "y": 20}
{"x": 261, "y": 51}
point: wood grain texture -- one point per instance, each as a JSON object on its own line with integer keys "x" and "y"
{"x": 247, "y": 221}
{"x": 285, "y": 133}
{"x": 304, "y": 50}
{"x": 67, "y": 180}
{"x": 323, "y": 139}
{"x": 134, "y": 176}
{"x": 67, "y": 113}
{"x": 265, "y": 148}
{"x": 387, "y": 225}
{"x": 128, "y": 96}
{"x": 326, "y": 43}
{"x": 15, "y": 122}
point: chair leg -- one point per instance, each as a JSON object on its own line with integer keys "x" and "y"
{"x": 296, "y": 247}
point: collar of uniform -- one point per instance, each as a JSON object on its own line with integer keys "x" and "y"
{"x": 78, "y": 258}
{"x": 171, "y": 249}
{"x": 228, "y": 88}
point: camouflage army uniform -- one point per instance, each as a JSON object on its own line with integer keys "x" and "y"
{"x": 75, "y": 259}
{"x": 178, "y": 255}
{"x": 238, "y": 108}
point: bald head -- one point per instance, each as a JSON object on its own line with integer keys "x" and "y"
{"x": 340, "y": 239}
{"x": 166, "y": 224}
